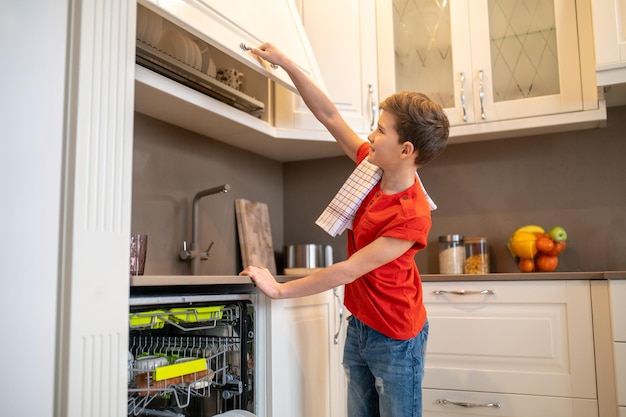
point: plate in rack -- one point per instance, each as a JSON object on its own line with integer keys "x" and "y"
{"x": 173, "y": 43}
{"x": 153, "y": 29}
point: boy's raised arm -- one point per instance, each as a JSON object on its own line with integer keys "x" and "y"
{"x": 315, "y": 99}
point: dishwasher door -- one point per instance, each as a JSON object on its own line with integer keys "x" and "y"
{"x": 191, "y": 355}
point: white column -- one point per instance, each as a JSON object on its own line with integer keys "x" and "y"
{"x": 93, "y": 299}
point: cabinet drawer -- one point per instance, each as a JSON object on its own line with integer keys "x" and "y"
{"x": 532, "y": 338}
{"x": 618, "y": 309}
{"x": 621, "y": 412}
{"x": 619, "y": 352}
{"x": 438, "y": 403}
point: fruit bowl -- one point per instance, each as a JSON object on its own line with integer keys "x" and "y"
{"x": 536, "y": 251}
{"x": 538, "y": 262}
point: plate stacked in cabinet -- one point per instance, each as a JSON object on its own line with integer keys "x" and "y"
{"x": 510, "y": 348}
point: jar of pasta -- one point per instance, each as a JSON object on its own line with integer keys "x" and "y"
{"x": 477, "y": 255}
{"x": 451, "y": 254}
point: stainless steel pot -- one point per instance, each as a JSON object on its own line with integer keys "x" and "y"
{"x": 308, "y": 255}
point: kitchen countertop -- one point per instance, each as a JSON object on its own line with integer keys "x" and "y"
{"x": 169, "y": 280}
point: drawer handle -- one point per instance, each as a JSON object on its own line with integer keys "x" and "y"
{"x": 495, "y": 404}
{"x": 340, "y": 304}
{"x": 464, "y": 292}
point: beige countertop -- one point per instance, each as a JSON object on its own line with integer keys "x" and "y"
{"x": 169, "y": 280}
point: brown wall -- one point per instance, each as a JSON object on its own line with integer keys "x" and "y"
{"x": 576, "y": 180}
{"x": 170, "y": 165}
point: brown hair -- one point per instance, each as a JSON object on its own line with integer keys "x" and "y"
{"x": 420, "y": 121}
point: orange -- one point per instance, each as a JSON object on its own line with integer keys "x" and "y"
{"x": 526, "y": 265}
{"x": 544, "y": 243}
{"x": 546, "y": 263}
{"x": 558, "y": 248}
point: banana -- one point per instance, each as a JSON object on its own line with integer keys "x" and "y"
{"x": 532, "y": 228}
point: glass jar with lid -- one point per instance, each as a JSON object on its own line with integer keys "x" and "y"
{"x": 477, "y": 255}
{"x": 451, "y": 254}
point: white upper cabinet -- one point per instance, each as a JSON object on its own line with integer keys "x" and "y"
{"x": 497, "y": 67}
{"x": 343, "y": 38}
{"x": 228, "y": 24}
{"x": 242, "y": 117}
{"x": 609, "y": 26}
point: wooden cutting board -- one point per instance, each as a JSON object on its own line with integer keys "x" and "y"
{"x": 255, "y": 235}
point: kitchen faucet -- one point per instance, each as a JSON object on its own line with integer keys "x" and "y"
{"x": 192, "y": 253}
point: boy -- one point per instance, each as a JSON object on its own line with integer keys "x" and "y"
{"x": 388, "y": 329}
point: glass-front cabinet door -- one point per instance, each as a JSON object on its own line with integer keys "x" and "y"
{"x": 483, "y": 60}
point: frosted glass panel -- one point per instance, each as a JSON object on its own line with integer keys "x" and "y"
{"x": 423, "y": 48}
{"x": 524, "y": 58}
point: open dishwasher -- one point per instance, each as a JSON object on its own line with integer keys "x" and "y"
{"x": 191, "y": 355}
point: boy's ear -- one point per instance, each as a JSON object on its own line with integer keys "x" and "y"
{"x": 407, "y": 148}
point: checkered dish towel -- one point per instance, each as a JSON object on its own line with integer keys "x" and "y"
{"x": 338, "y": 216}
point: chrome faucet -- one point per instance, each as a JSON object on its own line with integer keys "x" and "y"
{"x": 192, "y": 254}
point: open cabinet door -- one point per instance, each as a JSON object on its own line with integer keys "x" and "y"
{"x": 227, "y": 25}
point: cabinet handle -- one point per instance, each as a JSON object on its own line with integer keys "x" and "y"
{"x": 482, "y": 95}
{"x": 245, "y": 47}
{"x": 373, "y": 105}
{"x": 468, "y": 405}
{"x": 340, "y": 304}
{"x": 463, "y": 96}
{"x": 464, "y": 292}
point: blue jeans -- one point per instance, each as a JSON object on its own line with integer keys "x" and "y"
{"x": 384, "y": 375}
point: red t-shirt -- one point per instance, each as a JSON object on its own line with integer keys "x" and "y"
{"x": 389, "y": 298}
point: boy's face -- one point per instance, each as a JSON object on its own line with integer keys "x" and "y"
{"x": 385, "y": 146}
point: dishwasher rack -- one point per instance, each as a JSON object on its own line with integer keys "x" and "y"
{"x": 176, "y": 335}
{"x": 186, "y": 319}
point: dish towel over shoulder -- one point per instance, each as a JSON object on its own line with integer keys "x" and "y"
{"x": 338, "y": 215}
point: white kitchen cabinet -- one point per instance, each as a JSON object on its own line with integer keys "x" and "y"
{"x": 226, "y": 25}
{"x": 306, "y": 346}
{"x": 510, "y": 342}
{"x": 619, "y": 350}
{"x": 618, "y": 312}
{"x": 223, "y": 26}
{"x": 498, "y": 69}
{"x": 343, "y": 38}
{"x": 609, "y": 27}
{"x": 618, "y": 309}
{"x": 484, "y": 404}
{"x": 604, "y": 343}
